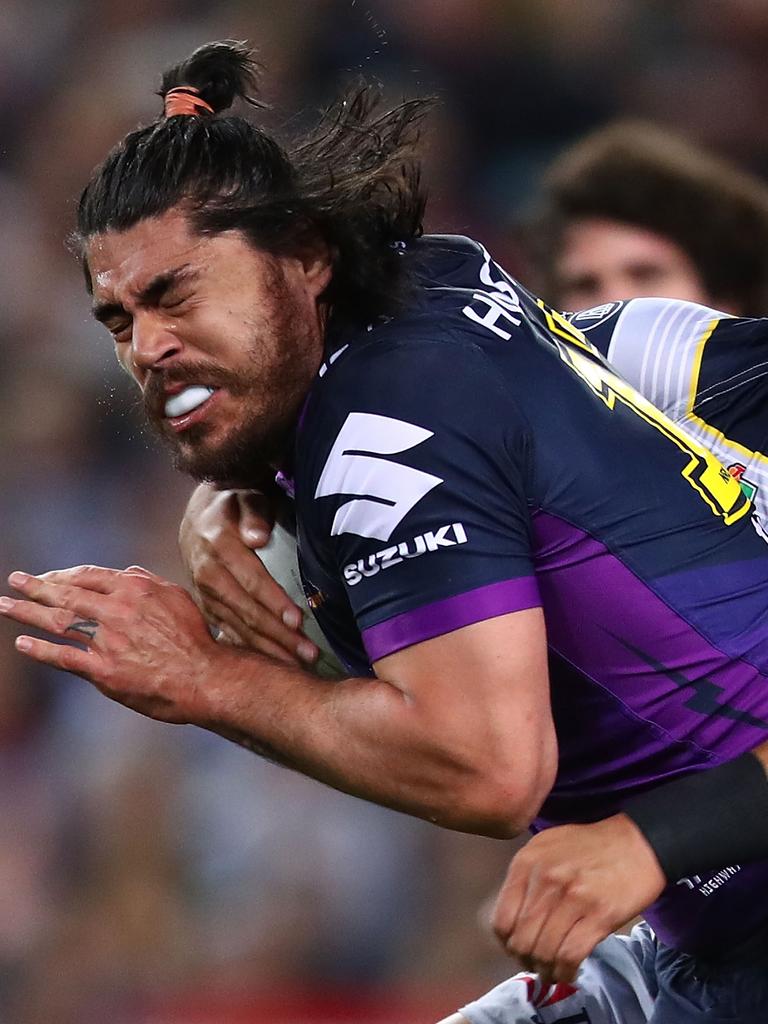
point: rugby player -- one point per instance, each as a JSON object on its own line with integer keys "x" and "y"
{"x": 466, "y": 468}
{"x": 600, "y": 237}
{"x": 708, "y": 372}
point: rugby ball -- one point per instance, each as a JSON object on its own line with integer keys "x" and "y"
{"x": 281, "y": 562}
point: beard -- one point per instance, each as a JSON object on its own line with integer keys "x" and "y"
{"x": 279, "y": 362}
{"x": 246, "y": 456}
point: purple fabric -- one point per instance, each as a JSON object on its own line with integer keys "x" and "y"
{"x": 613, "y": 627}
{"x": 714, "y": 911}
{"x": 739, "y": 586}
{"x": 449, "y": 614}
{"x": 639, "y": 695}
{"x": 285, "y": 483}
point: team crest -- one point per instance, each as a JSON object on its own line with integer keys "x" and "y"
{"x": 737, "y": 471}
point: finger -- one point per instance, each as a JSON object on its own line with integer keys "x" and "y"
{"x": 229, "y": 630}
{"x": 139, "y": 570}
{"x": 227, "y": 635}
{"x": 527, "y": 963}
{"x": 211, "y": 620}
{"x": 247, "y": 569}
{"x": 256, "y": 518}
{"x": 576, "y": 947}
{"x": 89, "y": 577}
{"x": 510, "y": 900}
{"x": 545, "y": 973}
{"x": 224, "y": 587}
{"x": 523, "y": 939}
{"x": 556, "y": 926}
{"x": 62, "y": 656}
{"x": 58, "y": 595}
{"x": 540, "y": 900}
{"x": 59, "y": 621}
{"x": 223, "y": 617}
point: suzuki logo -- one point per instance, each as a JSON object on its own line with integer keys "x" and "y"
{"x": 387, "y": 491}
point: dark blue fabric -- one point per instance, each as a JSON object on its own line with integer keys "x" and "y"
{"x": 692, "y": 991}
{"x": 478, "y": 440}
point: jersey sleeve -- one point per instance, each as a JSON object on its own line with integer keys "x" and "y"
{"x": 655, "y": 344}
{"x": 420, "y": 503}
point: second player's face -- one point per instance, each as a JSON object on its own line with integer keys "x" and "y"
{"x": 223, "y": 339}
{"x": 604, "y": 260}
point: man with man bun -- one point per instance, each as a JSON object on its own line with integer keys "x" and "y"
{"x": 479, "y": 500}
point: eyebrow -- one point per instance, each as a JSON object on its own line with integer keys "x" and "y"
{"x": 149, "y": 295}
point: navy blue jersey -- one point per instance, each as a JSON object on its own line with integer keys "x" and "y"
{"x": 476, "y": 455}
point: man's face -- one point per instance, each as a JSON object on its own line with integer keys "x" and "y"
{"x": 604, "y": 260}
{"x": 223, "y": 339}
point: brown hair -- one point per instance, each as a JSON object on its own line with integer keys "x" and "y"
{"x": 639, "y": 174}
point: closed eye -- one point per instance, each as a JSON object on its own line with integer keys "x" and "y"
{"x": 120, "y": 329}
{"x": 173, "y": 305}
{"x": 172, "y": 301}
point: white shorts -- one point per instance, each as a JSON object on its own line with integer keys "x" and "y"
{"x": 614, "y": 986}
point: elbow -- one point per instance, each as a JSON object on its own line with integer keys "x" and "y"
{"x": 499, "y": 802}
{"x": 509, "y": 807}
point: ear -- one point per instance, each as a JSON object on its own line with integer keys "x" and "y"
{"x": 317, "y": 263}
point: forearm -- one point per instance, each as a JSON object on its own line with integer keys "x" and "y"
{"x": 709, "y": 819}
{"x": 435, "y": 734}
{"x": 366, "y": 737}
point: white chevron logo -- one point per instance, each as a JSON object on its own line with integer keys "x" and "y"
{"x": 388, "y": 491}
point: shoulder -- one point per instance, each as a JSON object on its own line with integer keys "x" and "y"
{"x": 619, "y": 328}
{"x": 655, "y": 343}
{"x": 464, "y": 310}
{"x": 402, "y": 381}
{"x": 401, "y": 409}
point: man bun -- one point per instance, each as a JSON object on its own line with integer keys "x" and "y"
{"x": 219, "y": 73}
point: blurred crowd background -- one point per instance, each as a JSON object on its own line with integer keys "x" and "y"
{"x": 151, "y": 873}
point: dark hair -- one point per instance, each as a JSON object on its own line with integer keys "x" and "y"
{"x": 352, "y": 182}
{"x": 639, "y": 174}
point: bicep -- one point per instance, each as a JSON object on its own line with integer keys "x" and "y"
{"x": 485, "y": 686}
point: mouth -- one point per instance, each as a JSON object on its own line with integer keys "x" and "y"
{"x": 188, "y": 406}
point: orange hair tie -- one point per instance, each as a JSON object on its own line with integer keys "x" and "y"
{"x": 185, "y": 99}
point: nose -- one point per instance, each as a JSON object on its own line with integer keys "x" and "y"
{"x": 153, "y": 344}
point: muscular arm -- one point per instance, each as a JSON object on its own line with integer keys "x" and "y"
{"x": 456, "y": 729}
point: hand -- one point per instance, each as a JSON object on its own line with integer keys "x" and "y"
{"x": 570, "y": 887}
{"x": 233, "y": 589}
{"x": 142, "y": 640}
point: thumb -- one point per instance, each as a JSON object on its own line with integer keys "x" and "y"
{"x": 256, "y": 519}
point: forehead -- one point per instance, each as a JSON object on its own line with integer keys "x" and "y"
{"x": 125, "y": 260}
{"x": 596, "y": 239}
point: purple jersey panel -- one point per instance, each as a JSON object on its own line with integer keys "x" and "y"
{"x": 449, "y": 614}
{"x": 640, "y": 695}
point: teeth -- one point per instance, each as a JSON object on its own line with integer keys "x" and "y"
{"x": 187, "y": 400}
